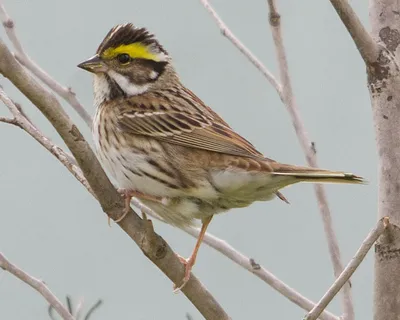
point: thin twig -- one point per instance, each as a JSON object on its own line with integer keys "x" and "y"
{"x": 309, "y": 151}
{"x": 242, "y": 48}
{"x": 36, "y": 284}
{"x": 9, "y": 121}
{"x": 20, "y": 121}
{"x": 367, "y": 47}
{"x": 349, "y": 270}
{"x": 66, "y": 93}
{"x": 93, "y": 309}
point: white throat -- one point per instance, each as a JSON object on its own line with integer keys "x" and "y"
{"x": 101, "y": 89}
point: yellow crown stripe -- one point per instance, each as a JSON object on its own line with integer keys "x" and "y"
{"x": 135, "y": 50}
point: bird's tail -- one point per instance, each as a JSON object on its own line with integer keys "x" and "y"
{"x": 307, "y": 174}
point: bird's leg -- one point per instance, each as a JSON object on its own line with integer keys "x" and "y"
{"x": 128, "y": 195}
{"x": 189, "y": 263}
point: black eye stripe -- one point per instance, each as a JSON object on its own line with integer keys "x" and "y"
{"x": 157, "y": 66}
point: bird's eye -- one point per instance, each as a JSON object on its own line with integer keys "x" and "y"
{"x": 123, "y": 58}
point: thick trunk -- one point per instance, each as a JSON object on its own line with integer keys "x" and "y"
{"x": 384, "y": 86}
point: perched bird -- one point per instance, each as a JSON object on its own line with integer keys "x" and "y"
{"x": 164, "y": 146}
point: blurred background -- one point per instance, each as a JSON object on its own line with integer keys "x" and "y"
{"x": 52, "y": 228}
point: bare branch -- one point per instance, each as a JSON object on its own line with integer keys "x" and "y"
{"x": 20, "y": 121}
{"x": 367, "y": 47}
{"x": 309, "y": 151}
{"x": 152, "y": 245}
{"x": 36, "y": 284}
{"x": 66, "y": 93}
{"x": 236, "y": 42}
{"x": 350, "y": 268}
{"x": 9, "y": 121}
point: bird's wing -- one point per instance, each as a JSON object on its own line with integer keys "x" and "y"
{"x": 182, "y": 119}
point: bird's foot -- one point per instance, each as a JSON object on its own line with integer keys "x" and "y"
{"x": 188, "y": 263}
{"x": 128, "y": 194}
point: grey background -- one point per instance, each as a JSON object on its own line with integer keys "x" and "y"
{"x": 51, "y": 227}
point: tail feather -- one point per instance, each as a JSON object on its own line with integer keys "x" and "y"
{"x": 306, "y": 174}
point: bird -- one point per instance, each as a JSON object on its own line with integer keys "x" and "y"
{"x": 164, "y": 146}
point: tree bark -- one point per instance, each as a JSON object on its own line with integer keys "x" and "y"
{"x": 384, "y": 87}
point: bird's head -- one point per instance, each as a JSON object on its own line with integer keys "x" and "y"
{"x": 128, "y": 62}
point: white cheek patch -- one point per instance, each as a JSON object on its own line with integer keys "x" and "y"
{"x": 128, "y": 87}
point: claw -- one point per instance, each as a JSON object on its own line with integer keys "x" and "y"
{"x": 188, "y": 263}
{"x": 128, "y": 195}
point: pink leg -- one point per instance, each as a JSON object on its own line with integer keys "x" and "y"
{"x": 189, "y": 263}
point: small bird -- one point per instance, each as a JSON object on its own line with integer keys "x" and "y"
{"x": 164, "y": 146}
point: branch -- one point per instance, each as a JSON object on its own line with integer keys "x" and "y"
{"x": 9, "y": 121}
{"x": 242, "y": 48}
{"x": 367, "y": 47}
{"x": 21, "y": 121}
{"x": 36, "y": 284}
{"x": 152, "y": 245}
{"x": 93, "y": 309}
{"x": 309, "y": 151}
{"x": 350, "y": 268}
{"x": 66, "y": 93}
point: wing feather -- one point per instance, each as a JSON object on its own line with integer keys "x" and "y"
{"x": 184, "y": 120}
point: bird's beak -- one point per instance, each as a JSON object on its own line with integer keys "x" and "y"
{"x": 93, "y": 64}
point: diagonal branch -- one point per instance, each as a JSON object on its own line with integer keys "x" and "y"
{"x": 36, "y": 284}
{"x": 350, "y": 268}
{"x": 309, "y": 151}
{"x": 152, "y": 245}
{"x": 367, "y": 47}
{"x": 242, "y": 48}
{"x": 66, "y": 93}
